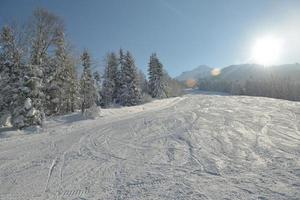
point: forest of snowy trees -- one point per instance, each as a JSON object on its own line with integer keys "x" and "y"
{"x": 39, "y": 78}
{"x": 274, "y": 87}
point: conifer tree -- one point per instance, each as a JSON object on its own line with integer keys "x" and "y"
{"x": 62, "y": 81}
{"x": 142, "y": 82}
{"x": 130, "y": 93}
{"x": 109, "y": 90}
{"x": 46, "y": 31}
{"x": 72, "y": 86}
{"x": 97, "y": 79}
{"x": 31, "y": 101}
{"x": 10, "y": 72}
{"x": 118, "y": 80}
{"x": 172, "y": 87}
{"x": 23, "y": 83}
{"x": 54, "y": 86}
{"x": 156, "y": 80}
{"x": 87, "y": 87}
{"x": 28, "y": 106}
{"x": 42, "y": 81}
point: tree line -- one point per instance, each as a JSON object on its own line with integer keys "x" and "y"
{"x": 38, "y": 75}
{"x": 271, "y": 86}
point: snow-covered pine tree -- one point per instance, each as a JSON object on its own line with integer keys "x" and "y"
{"x": 118, "y": 80}
{"x": 71, "y": 86}
{"x": 45, "y": 28}
{"x": 130, "y": 92}
{"x": 115, "y": 75}
{"x": 54, "y": 85}
{"x": 110, "y": 78}
{"x": 87, "y": 87}
{"x": 10, "y": 69}
{"x": 156, "y": 80}
{"x": 62, "y": 81}
{"x": 173, "y": 88}
{"x": 142, "y": 82}
{"x": 28, "y": 108}
{"x": 22, "y": 84}
{"x": 97, "y": 79}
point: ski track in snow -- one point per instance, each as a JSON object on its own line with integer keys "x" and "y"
{"x": 192, "y": 147}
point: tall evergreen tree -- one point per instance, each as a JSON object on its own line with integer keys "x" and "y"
{"x": 87, "y": 87}
{"x": 118, "y": 90}
{"x": 109, "y": 90}
{"x": 97, "y": 79}
{"x": 10, "y": 72}
{"x": 46, "y": 29}
{"x": 31, "y": 101}
{"x": 40, "y": 81}
{"x": 71, "y": 86}
{"x": 142, "y": 82}
{"x": 156, "y": 78}
{"x": 23, "y": 84}
{"x": 118, "y": 80}
{"x": 61, "y": 83}
{"x": 54, "y": 89}
{"x": 28, "y": 107}
{"x": 130, "y": 93}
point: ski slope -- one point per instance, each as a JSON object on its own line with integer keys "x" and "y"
{"x": 197, "y": 146}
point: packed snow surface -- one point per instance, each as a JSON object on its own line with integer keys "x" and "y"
{"x": 197, "y": 146}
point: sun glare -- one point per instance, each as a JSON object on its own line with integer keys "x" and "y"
{"x": 267, "y": 50}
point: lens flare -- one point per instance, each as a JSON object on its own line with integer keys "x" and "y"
{"x": 215, "y": 72}
{"x": 191, "y": 83}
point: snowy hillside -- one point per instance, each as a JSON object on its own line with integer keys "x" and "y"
{"x": 192, "y": 147}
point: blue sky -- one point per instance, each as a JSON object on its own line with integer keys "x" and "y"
{"x": 184, "y": 34}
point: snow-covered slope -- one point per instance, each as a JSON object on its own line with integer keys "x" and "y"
{"x": 201, "y": 71}
{"x": 192, "y": 147}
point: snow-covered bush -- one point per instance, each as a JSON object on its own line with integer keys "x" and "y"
{"x": 5, "y": 120}
{"x": 146, "y": 98}
{"x": 93, "y": 112}
{"x": 27, "y": 114}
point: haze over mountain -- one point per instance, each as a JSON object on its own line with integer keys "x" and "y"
{"x": 202, "y": 71}
{"x": 244, "y": 72}
{"x": 257, "y": 72}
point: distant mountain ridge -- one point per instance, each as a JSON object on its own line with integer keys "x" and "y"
{"x": 201, "y": 71}
{"x": 244, "y": 72}
{"x": 258, "y": 72}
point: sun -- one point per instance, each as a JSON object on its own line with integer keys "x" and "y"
{"x": 267, "y": 50}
